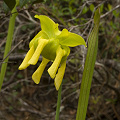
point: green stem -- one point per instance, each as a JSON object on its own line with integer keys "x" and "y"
{"x": 58, "y": 103}
{"x": 8, "y": 44}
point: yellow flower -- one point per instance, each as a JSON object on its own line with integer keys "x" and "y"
{"x": 53, "y": 45}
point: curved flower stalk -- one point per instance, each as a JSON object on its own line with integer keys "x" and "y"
{"x": 53, "y": 45}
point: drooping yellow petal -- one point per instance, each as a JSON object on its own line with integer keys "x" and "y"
{"x": 59, "y": 76}
{"x": 41, "y": 34}
{"x": 28, "y": 56}
{"x": 38, "y": 73}
{"x": 53, "y": 69}
{"x": 35, "y": 57}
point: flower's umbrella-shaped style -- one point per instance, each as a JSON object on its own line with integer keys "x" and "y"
{"x": 53, "y": 45}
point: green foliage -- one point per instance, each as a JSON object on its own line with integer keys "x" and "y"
{"x": 109, "y": 32}
{"x": 101, "y": 8}
{"x": 95, "y": 100}
{"x": 5, "y": 8}
{"x": 19, "y": 76}
{"x": 89, "y": 68}
{"x": 64, "y": 8}
{"x": 92, "y": 7}
{"x": 113, "y": 101}
{"x": 24, "y": 2}
{"x": 116, "y": 13}
{"x": 97, "y": 17}
{"x": 85, "y": 9}
{"x": 109, "y": 7}
{"x": 10, "y": 4}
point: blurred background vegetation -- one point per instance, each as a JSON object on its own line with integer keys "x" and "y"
{"x": 21, "y": 98}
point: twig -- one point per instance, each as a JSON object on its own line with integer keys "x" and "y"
{"x": 115, "y": 111}
{"x": 15, "y": 83}
{"x": 10, "y": 80}
{"x": 102, "y": 16}
{"x": 91, "y": 20}
{"x": 12, "y": 50}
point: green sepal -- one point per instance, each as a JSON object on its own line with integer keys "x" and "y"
{"x": 70, "y": 39}
{"x": 48, "y": 26}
